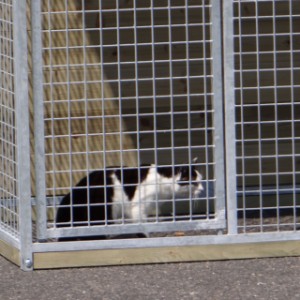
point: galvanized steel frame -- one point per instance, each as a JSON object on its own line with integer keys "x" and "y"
{"x": 224, "y": 92}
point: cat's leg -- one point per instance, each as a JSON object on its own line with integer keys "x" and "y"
{"x": 117, "y": 213}
{"x": 138, "y": 213}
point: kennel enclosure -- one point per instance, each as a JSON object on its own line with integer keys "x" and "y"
{"x": 86, "y": 85}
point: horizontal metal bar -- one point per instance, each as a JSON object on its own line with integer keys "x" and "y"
{"x": 269, "y": 190}
{"x": 123, "y": 9}
{"x": 167, "y": 241}
{"x": 146, "y": 228}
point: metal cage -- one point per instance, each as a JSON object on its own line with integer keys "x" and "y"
{"x": 90, "y": 85}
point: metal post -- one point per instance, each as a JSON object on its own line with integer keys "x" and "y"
{"x": 218, "y": 110}
{"x": 229, "y": 109}
{"x": 22, "y": 125}
{"x": 37, "y": 86}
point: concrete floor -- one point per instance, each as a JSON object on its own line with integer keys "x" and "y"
{"x": 274, "y": 278}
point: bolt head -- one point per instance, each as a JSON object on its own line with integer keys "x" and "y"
{"x": 28, "y": 263}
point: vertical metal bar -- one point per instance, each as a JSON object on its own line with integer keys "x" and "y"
{"x": 218, "y": 122}
{"x": 86, "y": 100}
{"x": 259, "y": 133}
{"x": 103, "y": 78}
{"x": 171, "y": 78}
{"x": 22, "y": 125}
{"x": 206, "y": 38}
{"x": 121, "y": 163}
{"x": 39, "y": 150}
{"x": 118, "y": 28}
{"x": 274, "y": 29}
{"x": 229, "y": 110}
{"x": 137, "y": 90}
{"x": 188, "y": 98}
{"x": 154, "y": 103}
{"x": 137, "y": 93}
{"x": 69, "y": 116}
{"x": 293, "y": 115}
{"x": 242, "y": 146}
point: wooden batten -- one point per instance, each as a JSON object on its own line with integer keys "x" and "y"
{"x": 10, "y": 252}
{"x": 48, "y": 260}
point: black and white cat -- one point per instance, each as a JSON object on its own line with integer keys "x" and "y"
{"x": 126, "y": 194}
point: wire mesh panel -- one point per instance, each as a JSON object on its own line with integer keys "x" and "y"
{"x": 15, "y": 201}
{"x": 126, "y": 84}
{"x": 267, "y": 60}
{"x": 8, "y": 148}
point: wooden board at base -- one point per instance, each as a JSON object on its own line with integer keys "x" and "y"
{"x": 49, "y": 260}
{"x": 10, "y": 252}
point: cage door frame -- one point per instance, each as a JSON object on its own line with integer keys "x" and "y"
{"x": 218, "y": 182}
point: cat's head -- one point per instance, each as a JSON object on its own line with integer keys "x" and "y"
{"x": 188, "y": 181}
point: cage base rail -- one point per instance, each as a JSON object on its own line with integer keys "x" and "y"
{"x": 64, "y": 259}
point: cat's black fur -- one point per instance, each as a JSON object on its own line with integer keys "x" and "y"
{"x": 92, "y": 189}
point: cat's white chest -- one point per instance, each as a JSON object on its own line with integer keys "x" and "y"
{"x": 145, "y": 201}
{"x": 153, "y": 187}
